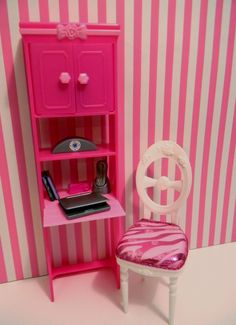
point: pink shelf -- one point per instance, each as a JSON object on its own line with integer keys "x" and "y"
{"x": 54, "y": 216}
{"x": 82, "y": 267}
{"x": 77, "y": 114}
{"x": 102, "y": 151}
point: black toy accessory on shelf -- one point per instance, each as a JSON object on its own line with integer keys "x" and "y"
{"x": 49, "y": 186}
{"x": 74, "y": 144}
{"x": 101, "y": 183}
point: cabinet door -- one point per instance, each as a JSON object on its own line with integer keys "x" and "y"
{"x": 94, "y": 74}
{"x": 53, "y": 80}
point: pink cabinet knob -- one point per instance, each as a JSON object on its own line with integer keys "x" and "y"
{"x": 83, "y": 78}
{"x": 64, "y": 77}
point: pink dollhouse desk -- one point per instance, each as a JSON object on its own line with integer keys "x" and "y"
{"x": 53, "y": 216}
{"x": 71, "y": 72}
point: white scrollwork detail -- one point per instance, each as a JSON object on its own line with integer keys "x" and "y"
{"x": 71, "y": 31}
{"x": 182, "y": 162}
{"x": 163, "y": 183}
{"x": 167, "y": 149}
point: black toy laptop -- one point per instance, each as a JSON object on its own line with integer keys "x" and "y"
{"x": 82, "y": 205}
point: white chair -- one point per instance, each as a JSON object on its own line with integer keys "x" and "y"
{"x": 150, "y": 247}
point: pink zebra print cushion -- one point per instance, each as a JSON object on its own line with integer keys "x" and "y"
{"x": 153, "y": 243}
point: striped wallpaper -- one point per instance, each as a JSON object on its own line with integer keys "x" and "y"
{"x": 177, "y": 80}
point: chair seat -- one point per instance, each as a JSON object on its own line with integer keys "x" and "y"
{"x": 154, "y": 244}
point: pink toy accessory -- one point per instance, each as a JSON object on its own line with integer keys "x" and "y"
{"x": 150, "y": 247}
{"x": 82, "y": 187}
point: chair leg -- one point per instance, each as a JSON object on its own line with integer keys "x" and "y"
{"x": 172, "y": 298}
{"x": 124, "y": 287}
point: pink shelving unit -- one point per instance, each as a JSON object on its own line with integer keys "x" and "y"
{"x": 71, "y": 74}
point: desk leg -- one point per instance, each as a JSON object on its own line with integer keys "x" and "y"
{"x": 49, "y": 262}
{"x": 108, "y": 232}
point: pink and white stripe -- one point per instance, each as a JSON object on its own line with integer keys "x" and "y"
{"x": 177, "y": 74}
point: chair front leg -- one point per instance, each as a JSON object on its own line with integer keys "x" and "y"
{"x": 172, "y": 298}
{"x": 124, "y": 287}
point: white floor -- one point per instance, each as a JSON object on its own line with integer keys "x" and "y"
{"x": 206, "y": 296}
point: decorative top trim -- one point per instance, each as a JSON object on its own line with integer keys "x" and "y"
{"x": 71, "y": 31}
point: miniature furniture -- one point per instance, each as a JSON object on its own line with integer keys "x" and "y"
{"x": 71, "y": 72}
{"x": 151, "y": 247}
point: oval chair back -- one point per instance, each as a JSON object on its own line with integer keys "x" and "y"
{"x": 172, "y": 151}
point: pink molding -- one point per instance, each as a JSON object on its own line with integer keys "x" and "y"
{"x": 70, "y": 31}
